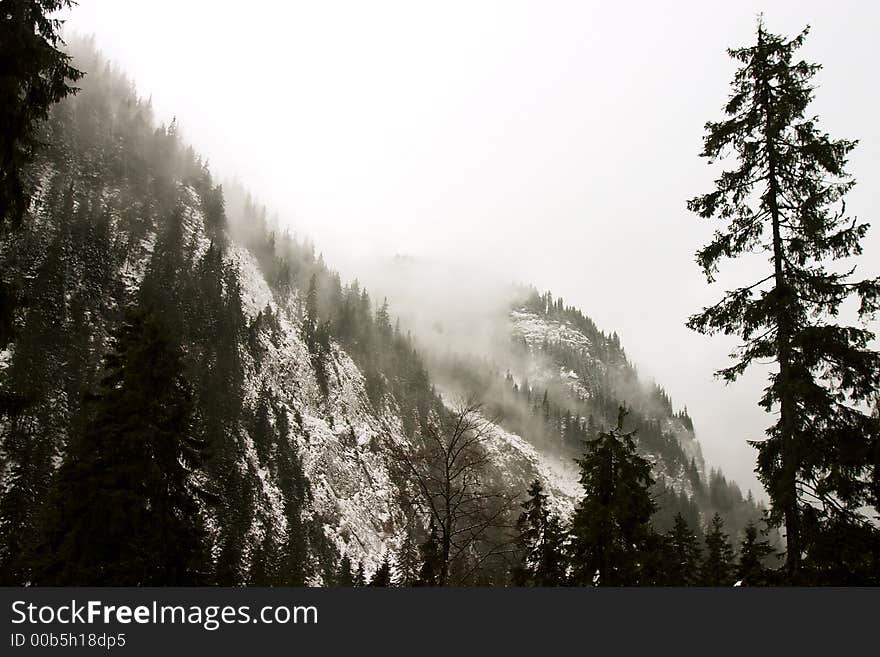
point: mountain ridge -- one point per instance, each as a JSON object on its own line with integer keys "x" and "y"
{"x": 306, "y": 391}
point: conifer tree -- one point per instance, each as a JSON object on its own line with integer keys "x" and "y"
{"x": 383, "y": 321}
{"x": 382, "y": 576}
{"x": 310, "y": 324}
{"x": 345, "y": 576}
{"x": 360, "y": 577}
{"x": 842, "y": 553}
{"x": 684, "y": 554}
{"x": 36, "y": 74}
{"x": 430, "y": 552}
{"x": 785, "y": 199}
{"x": 611, "y": 523}
{"x": 407, "y": 562}
{"x": 717, "y": 568}
{"x": 31, "y": 426}
{"x": 753, "y": 551}
{"x": 655, "y": 556}
{"x": 542, "y": 542}
{"x": 264, "y": 562}
{"x": 263, "y": 433}
{"x": 294, "y": 487}
{"x": 122, "y": 509}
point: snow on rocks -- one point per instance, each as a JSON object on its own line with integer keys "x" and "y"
{"x": 520, "y": 461}
{"x": 344, "y": 445}
{"x": 255, "y": 292}
{"x": 535, "y": 329}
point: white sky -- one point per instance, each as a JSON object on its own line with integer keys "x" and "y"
{"x": 549, "y": 142}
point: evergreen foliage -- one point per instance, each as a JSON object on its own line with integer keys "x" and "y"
{"x": 611, "y": 524}
{"x": 542, "y": 541}
{"x": 429, "y": 550}
{"x": 36, "y": 74}
{"x": 684, "y": 554}
{"x": 345, "y": 574}
{"x": 180, "y": 430}
{"x": 119, "y": 193}
{"x": 121, "y": 510}
{"x": 382, "y": 576}
{"x": 717, "y": 568}
{"x": 785, "y": 199}
{"x": 753, "y": 553}
{"x": 407, "y": 563}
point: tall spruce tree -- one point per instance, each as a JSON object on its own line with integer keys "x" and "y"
{"x": 753, "y": 552}
{"x": 345, "y": 575}
{"x": 407, "y": 562}
{"x": 34, "y": 75}
{"x": 360, "y": 577}
{"x": 684, "y": 554}
{"x": 382, "y": 576}
{"x": 295, "y": 489}
{"x": 122, "y": 511}
{"x": 32, "y": 425}
{"x": 717, "y": 568}
{"x": 785, "y": 199}
{"x": 610, "y": 527}
{"x": 542, "y": 542}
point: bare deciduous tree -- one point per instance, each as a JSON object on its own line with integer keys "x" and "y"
{"x": 470, "y": 514}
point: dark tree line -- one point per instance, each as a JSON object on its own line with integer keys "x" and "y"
{"x": 610, "y": 540}
{"x": 120, "y": 511}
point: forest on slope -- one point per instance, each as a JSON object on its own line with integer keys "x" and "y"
{"x": 190, "y": 395}
{"x": 126, "y": 216}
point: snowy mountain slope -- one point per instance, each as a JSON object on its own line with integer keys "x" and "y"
{"x": 521, "y": 463}
{"x": 537, "y": 330}
{"x": 305, "y": 391}
{"x": 349, "y": 449}
{"x": 341, "y": 441}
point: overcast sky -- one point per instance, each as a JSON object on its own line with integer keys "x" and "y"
{"x": 546, "y": 142}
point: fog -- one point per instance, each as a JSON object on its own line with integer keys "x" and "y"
{"x": 545, "y": 143}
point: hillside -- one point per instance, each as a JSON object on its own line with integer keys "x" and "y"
{"x": 309, "y": 398}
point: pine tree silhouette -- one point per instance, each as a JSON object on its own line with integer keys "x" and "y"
{"x": 785, "y": 198}
{"x": 684, "y": 554}
{"x": 382, "y": 576}
{"x": 36, "y": 75}
{"x": 753, "y": 551}
{"x": 542, "y": 542}
{"x": 717, "y": 568}
{"x": 122, "y": 509}
{"x": 611, "y": 523}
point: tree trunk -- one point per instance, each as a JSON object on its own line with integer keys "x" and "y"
{"x": 786, "y": 491}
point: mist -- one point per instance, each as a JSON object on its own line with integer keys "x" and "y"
{"x": 499, "y": 143}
